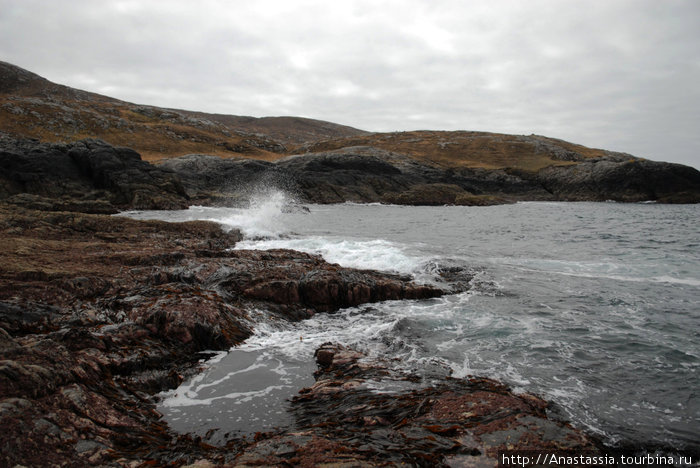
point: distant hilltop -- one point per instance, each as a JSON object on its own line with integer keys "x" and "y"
{"x": 34, "y": 107}
{"x": 328, "y": 163}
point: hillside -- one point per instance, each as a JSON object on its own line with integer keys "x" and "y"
{"x": 217, "y": 158}
{"x": 32, "y": 106}
{"x": 456, "y": 149}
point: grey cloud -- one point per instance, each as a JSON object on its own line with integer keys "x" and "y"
{"x": 620, "y": 75}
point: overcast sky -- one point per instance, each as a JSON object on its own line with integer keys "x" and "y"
{"x": 614, "y": 74}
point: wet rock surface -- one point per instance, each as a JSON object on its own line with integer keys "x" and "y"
{"x": 364, "y": 412}
{"x": 98, "y": 313}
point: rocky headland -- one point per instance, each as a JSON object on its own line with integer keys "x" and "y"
{"x": 370, "y": 174}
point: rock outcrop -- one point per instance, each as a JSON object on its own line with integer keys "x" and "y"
{"x": 87, "y": 175}
{"x": 367, "y": 175}
{"x": 342, "y": 420}
{"x": 215, "y": 181}
{"x": 97, "y": 313}
{"x": 629, "y": 180}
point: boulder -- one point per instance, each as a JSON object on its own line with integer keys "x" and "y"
{"x": 343, "y": 420}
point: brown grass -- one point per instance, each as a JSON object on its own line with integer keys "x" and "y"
{"x": 35, "y": 107}
{"x": 464, "y": 149}
{"x": 157, "y": 135}
{"x": 117, "y": 124}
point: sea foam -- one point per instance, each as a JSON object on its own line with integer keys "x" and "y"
{"x": 375, "y": 254}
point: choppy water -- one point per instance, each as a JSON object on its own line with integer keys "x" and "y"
{"x": 594, "y": 306}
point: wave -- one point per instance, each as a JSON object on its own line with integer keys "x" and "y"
{"x": 263, "y": 218}
{"x": 605, "y": 270}
{"x": 374, "y": 254}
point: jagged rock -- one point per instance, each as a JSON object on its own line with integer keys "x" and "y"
{"x": 87, "y": 175}
{"x": 342, "y": 420}
{"x": 84, "y": 339}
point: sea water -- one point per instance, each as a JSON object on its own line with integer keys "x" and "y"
{"x": 593, "y": 306}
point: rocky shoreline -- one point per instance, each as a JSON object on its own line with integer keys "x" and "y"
{"x": 94, "y": 177}
{"x": 99, "y": 313}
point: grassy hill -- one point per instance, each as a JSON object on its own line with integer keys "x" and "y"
{"x": 471, "y": 149}
{"x": 32, "y": 106}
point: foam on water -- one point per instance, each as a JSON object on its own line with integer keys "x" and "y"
{"x": 374, "y": 254}
{"x": 200, "y": 390}
{"x": 592, "y": 306}
{"x": 244, "y": 392}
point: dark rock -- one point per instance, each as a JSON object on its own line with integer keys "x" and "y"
{"x": 481, "y": 200}
{"x": 301, "y": 281}
{"x": 29, "y": 317}
{"x": 368, "y": 174}
{"x": 428, "y": 194}
{"x": 359, "y": 174}
{"x": 87, "y": 175}
{"x": 631, "y": 180}
{"x": 37, "y": 202}
{"x": 221, "y": 181}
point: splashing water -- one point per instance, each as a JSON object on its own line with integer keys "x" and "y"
{"x": 376, "y": 254}
{"x": 263, "y": 218}
{"x": 593, "y": 306}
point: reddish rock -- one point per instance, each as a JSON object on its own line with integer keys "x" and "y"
{"x": 453, "y": 422}
{"x": 99, "y": 312}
